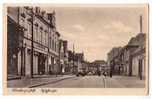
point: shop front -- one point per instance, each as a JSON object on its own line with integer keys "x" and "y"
{"x": 14, "y": 33}
{"x": 41, "y": 63}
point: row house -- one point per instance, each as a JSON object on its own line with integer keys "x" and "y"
{"x": 131, "y": 58}
{"x": 125, "y": 59}
{"x": 113, "y": 60}
{"x": 138, "y": 56}
{"x": 38, "y": 36}
{"x": 134, "y": 56}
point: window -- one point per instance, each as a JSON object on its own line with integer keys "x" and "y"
{"x": 55, "y": 46}
{"x": 22, "y": 23}
{"x": 29, "y": 29}
{"x": 43, "y": 37}
{"x": 46, "y": 38}
{"x": 36, "y": 34}
{"x": 40, "y": 36}
{"x": 50, "y": 42}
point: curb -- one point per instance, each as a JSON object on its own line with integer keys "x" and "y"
{"x": 51, "y": 82}
{"x": 13, "y": 78}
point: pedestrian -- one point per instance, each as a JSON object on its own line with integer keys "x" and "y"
{"x": 110, "y": 74}
{"x": 105, "y": 74}
{"x": 98, "y": 73}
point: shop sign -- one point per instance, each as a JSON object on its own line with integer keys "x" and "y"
{"x": 40, "y": 46}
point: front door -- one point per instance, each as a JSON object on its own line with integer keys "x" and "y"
{"x": 23, "y": 63}
{"x": 41, "y": 64}
{"x": 140, "y": 68}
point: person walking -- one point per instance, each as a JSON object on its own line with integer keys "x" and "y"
{"x": 104, "y": 74}
{"x": 110, "y": 74}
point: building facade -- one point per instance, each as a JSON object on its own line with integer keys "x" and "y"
{"x": 113, "y": 60}
{"x": 130, "y": 60}
{"x": 14, "y": 35}
{"x": 100, "y": 64}
{"x": 139, "y": 57}
{"x": 36, "y": 41}
{"x": 70, "y": 61}
{"x": 79, "y": 59}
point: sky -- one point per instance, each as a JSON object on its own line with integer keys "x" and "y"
{"x": 95, "y": 30}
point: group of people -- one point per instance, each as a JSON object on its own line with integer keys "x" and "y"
{"x": 105, "y": 73}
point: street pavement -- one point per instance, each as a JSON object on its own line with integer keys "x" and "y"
{"x": 124, "y": 82}
{"x": 78, "y": 82}
{"x": 71, "y": 81}
{"x": 98, "y": 82}
{"x": 36, "y": 81}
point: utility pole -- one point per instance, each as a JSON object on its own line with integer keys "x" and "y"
{"x": 32, "y": 44}
{"x": 73, "y": 58}
{"x": 140, "y": 23}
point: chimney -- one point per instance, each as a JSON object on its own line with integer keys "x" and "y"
{"x": 140, "y": 23}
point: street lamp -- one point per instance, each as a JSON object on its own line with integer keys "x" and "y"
{"x": 31, "y": 19}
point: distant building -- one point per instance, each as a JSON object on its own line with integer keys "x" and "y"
{"x": 79, "y": 59}
{"x": 100, "y": 65}
{"x": 70, "y": 61}
{"x": 113, "y": 59}
{"x": 85, "y": 66}
{"x": 63, "y": 55}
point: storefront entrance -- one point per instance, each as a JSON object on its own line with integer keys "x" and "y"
{"x": 41, "y": 64}
{"x": 140, "y": 68}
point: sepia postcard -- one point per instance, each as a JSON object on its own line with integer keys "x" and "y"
{"x": 75, "y": 49}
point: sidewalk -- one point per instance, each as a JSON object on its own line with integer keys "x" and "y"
{"x": 36, "y": 81}
{"x": 124, "y": 82}
{"x": 13, "y": 77}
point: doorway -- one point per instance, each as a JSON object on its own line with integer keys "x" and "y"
{"x": 140, "y": 68}
{"x": 41, "y": 64}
